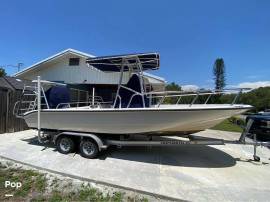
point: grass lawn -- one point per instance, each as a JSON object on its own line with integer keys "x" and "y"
{"x": 36, "y": 187}
{"x": 226, "y": 125}
{"x": 33, "y": 182}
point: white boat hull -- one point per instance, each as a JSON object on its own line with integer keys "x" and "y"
{"x": 176, "y": 118}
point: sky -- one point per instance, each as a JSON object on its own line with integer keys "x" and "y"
{"x": 189, "y": 35}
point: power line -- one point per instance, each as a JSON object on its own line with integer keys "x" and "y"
{"x": 18, "y": 66}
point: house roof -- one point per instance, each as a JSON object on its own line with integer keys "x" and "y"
{"x": 14, "y": 83}
{"x": 79, "y": 53}
{"x": 55, "y": 56}
{"x": 4, "y": 83}
{"x": 151, "y": 76}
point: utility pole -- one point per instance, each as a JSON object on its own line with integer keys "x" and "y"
{"x": 19, "y": 65}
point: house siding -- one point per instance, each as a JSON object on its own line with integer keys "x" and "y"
{"x": 60, "y": 70}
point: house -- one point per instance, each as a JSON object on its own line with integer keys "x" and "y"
{"x": 69, "y": 67}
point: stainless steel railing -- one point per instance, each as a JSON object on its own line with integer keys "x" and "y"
{"x": 162, "y": 95}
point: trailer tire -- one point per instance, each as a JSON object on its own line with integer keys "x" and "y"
{"x": 89, "y": 149}
{"x": 65, "y": 145}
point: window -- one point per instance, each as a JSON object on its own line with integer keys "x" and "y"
{"x": 74, "y": 61}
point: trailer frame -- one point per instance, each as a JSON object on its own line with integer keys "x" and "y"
{"x": 102, "y": 142}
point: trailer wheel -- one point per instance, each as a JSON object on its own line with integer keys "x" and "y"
{"x": 256, "y": 158}
{"x": 65, "y": 145}
{"x": 88, "y": 149}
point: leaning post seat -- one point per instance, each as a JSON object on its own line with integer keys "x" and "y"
{"x": 125, "y": 94}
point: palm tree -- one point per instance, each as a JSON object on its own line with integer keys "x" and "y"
{"x": 219, "y": 74}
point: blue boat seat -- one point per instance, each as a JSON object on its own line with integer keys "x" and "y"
{"x": 125, "y": 94}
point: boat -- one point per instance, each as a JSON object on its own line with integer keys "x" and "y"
{"x": 134, "y": 110}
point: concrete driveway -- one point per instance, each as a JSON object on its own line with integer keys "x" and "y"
{"x": 197, "y": 173}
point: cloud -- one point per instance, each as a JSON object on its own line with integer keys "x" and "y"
{"x": 189, "y": 87}
{"x": 256, "y": 84}
{"x": 253, "y": 76}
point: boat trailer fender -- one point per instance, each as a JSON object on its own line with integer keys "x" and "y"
{"x": 98, "y": 140}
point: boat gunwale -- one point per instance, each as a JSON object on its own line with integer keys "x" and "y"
{"x": 112, "y": 110}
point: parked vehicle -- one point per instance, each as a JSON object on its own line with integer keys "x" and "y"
{"x": 260, "y": 126}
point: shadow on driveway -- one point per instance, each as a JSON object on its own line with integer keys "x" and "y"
{"x": 200, "y": 156}
{"x": 34, "y": 141}
{"x": 184, "y": 155}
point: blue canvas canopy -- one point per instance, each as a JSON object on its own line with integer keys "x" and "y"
{"x": 114, "y": 63}
{"x": 56, "y": 95}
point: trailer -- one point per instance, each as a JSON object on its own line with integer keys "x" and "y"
{"x": 90, "y": 145}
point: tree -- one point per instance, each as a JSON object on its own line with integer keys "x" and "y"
{"x": 219, "y": 74}
{"x": 172, "y": 87}
{"x": 2, "y": 72}
{"x": 259, "y": 98}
